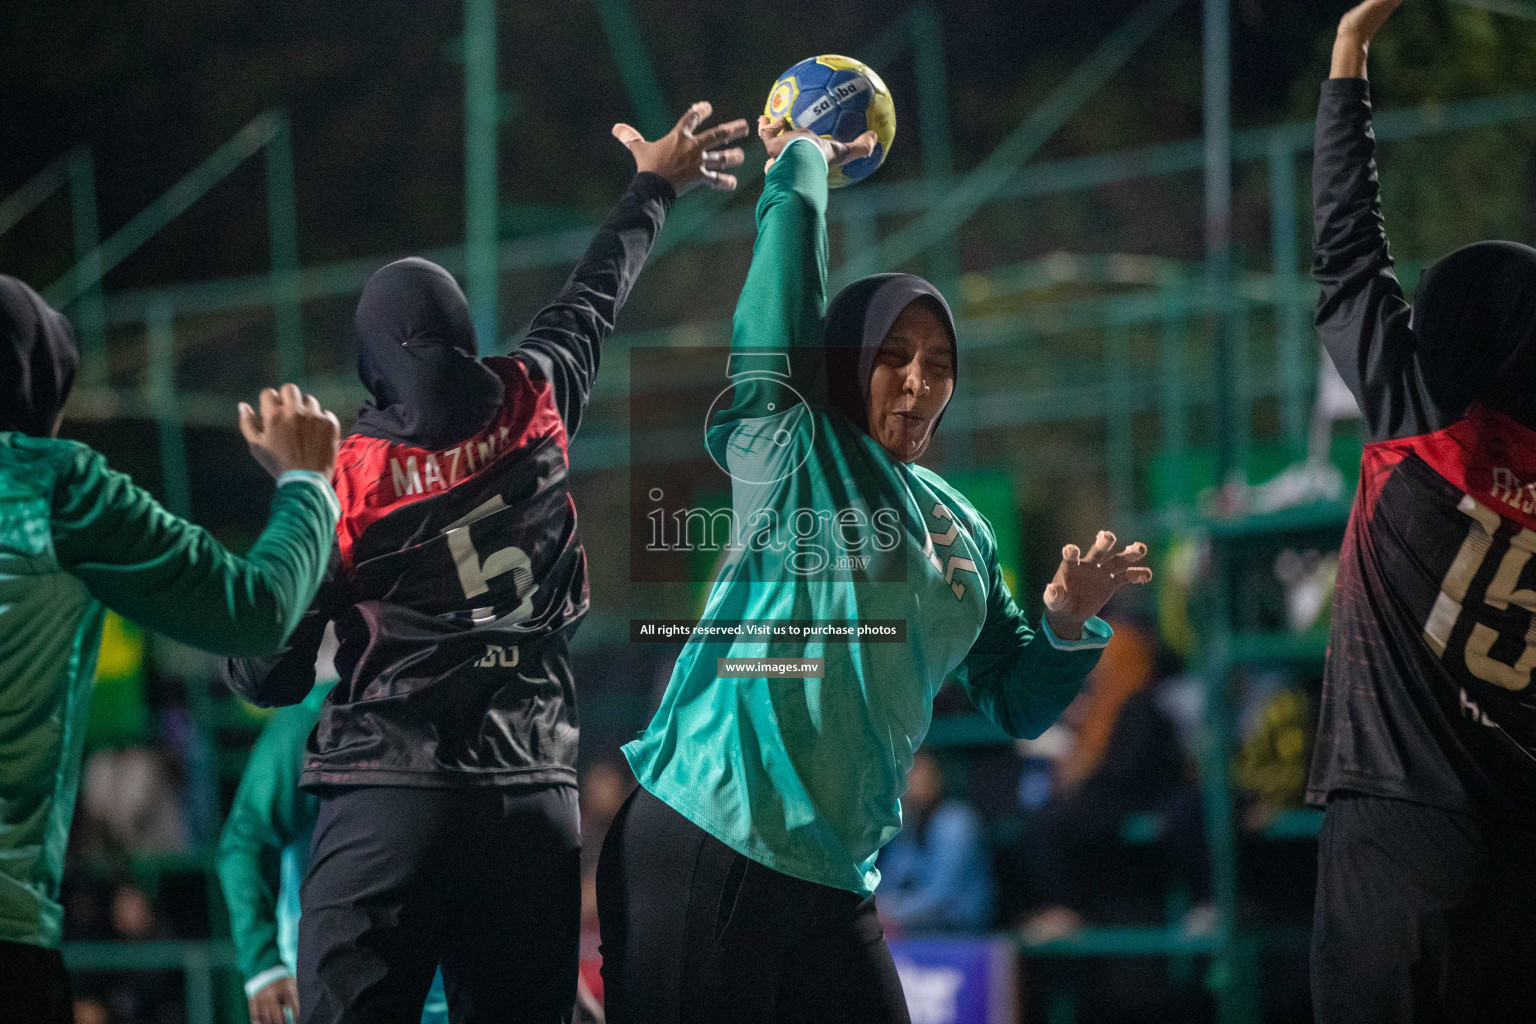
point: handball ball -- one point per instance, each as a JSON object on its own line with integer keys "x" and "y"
{"x": 837, "y": 98}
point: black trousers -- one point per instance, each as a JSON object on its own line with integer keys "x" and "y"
{"x": 34, "y": 989}
{"x": 485, "y": 882}
{"x": 1422, "y": 916}
{"x": 695, "y": 933}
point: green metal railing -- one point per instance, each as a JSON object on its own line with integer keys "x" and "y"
{"x": 77, "y": 170}
{"x": 79, "y": 290}
{"x": 196, "y": 961}
{"x": 1171, "y": 337}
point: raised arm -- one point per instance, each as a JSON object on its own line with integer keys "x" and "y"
{"x": 1362, "y": 317}
{"x": 782, "y": 302}
{"x": 174, "y": 577}
{"x": 566, "y": 338}
{"x": 785, "y": 294}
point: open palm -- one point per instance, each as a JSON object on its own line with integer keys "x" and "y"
{"x": 1084, "y": 583}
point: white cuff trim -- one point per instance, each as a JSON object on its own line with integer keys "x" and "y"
{"x": 810, "y": 143}
{"x": 271, "y": 974}
{"x": 1096, "y": 635}
{"x": 309, "y": 476}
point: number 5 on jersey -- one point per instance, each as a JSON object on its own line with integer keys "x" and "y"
{"x": 475, "y": 575}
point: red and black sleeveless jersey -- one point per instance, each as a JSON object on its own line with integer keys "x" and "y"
{"x": 458, "y": 578}
{"x": 1427, "y": 691}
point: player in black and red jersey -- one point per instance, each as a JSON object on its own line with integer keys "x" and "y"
{"x": 445, "y": 756}
{"x": 1426, "y": 748}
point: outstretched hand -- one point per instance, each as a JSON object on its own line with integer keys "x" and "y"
{"x": 1356, "y": 30}
{"x": 776, "y": 134}
{"x": 686, "y": 156}
{"x": 1085, "y": 583}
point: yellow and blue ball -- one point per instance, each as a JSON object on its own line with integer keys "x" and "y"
{"x": 837, "y": 98}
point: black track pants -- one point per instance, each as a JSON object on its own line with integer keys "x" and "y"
{"x": 34, "y": 989}
{"x": 1422, "y": 917}
{"x": 485, "y": 882}
{"x": 695, "y": 933}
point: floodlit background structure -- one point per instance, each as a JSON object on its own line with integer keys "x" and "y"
{"x": 1114, "y": 196}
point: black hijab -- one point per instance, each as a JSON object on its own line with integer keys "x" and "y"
{"x": 1475, "y": 319}
{"x": 39, "y": 359}
{"x": 857, "y": 321}
{"x": 416, "y": 354}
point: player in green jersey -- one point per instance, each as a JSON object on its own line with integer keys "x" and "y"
{"x": 77, "y": 538}
{"x": 737, "y": 882}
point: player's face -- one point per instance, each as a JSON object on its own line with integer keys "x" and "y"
{"x": 913, "y": 379}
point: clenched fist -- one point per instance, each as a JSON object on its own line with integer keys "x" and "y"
{"x": 291, "y": 432}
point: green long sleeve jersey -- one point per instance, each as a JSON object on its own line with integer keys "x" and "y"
{"x": 805, "y": 775}
{"x": 269, "y": 818}
{"x": 75, "y": 538}
{"x": 264, "y": 851}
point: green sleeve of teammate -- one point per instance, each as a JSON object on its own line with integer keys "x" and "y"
{"x": 785, "y": 296}
{"x": 1019, "y": 677}
{"x": 173, "y": 577}
{"x": 268, "y": 813}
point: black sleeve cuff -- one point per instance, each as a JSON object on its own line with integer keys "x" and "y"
{"x": 1347, "y": 89}
{"x": 648, "y": 185}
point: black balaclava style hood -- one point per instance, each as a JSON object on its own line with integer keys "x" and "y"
{"x": 857, "y": 321}
{"x": 39, "y": 360}
{"x": 416, "y": 354}
{"x": 1475, "y": 319}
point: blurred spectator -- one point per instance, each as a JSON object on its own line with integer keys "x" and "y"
{"x": 1270, "y": 773}
{"x": 131, "y": 795}
{"x": 1124, "y": 757}
{"x": 132, "y": 916}
{"x": 935, "y": 875}
{"x": 91, "y": 1011}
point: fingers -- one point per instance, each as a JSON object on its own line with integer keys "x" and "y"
{"x": 1132, "y": 554}
{"x": 863, "y": 146}
{"x": 1071, "y": 555}
{"x": 769, "y": 128}
{"x": 268, "y": 402}
{"x": 716, "y": 159}
{"x": 723, "y": 133}
{"x": 627, "y": 134}
{"x": 1055, "y": 593}
{"x": 694, "y": 116}
{"x": 1124, "y": 568}
{"x": 718, "y": 181}
{"x": 292, "y": 397}
{"x": 250, "y": 427}
{"x": 312, "y": 405}
{"x": 1103, "y": 544}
